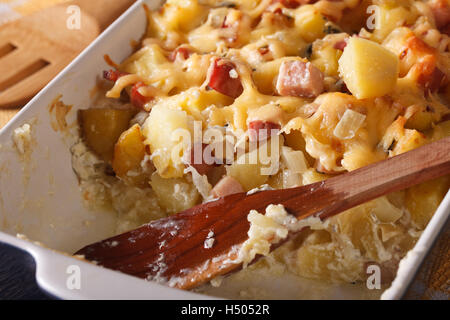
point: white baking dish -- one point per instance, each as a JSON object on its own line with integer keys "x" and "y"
{"x": 41, "y": 199}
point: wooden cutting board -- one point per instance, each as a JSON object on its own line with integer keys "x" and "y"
{"x": 43, "y": 43}
{"x": 6, "y": 115}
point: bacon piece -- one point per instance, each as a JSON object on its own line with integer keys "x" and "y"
{"x": 224, "y": 78}
{"x": 226, "y": 186}
{"x": 340, "y": 45}
{"x": 301, "y": 79}
{"x": 432, "y": 81}
{"x": 183, "y": 52}
{"x": 137, "y": 99}
{"x": 441, "y": 12}
{"x": 113, "y": 75}
{"x": 261, "y": 130}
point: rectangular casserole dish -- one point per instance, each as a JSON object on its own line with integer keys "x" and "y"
{"x": 40, "y": 197}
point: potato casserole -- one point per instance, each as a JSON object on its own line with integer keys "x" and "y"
{"x": 222, "y": 97}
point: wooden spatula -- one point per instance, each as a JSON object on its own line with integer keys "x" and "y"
{"x": 173, "y": 248}
{"x": 35, "y": 48}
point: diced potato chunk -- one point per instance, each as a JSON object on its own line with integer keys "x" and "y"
{"x": 102, "y": 127}
{"x": 248, "y": 175}
{"x": 198, "y": 100}
{"x": 368, "y": 69}
{"x": 162, "y": 129}
{"x": 390, "y": 18}
{"x": 310, "y": 23}
{"x": 183, "y": 14}
{"x": 251, "y": 170}
{"x": 128, "y": 155}
{"x": 423, "y": 200}
{"x": 326, "y": 57}
{"x": 266, "y": 74}
{"x": 296, "y": 141}
{"x": 312, "y": 260}
{"x": 174, "y": 195}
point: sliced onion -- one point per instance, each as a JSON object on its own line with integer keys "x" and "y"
{"x": 200, "y": 182}
{"x": 294, "y": 160}
{"x": 291, "y": 179}
{"x": 349, "y": 124}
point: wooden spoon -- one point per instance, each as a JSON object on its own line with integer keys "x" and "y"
{"x": 35, "y": 48}
{"x": 173, "y": 248}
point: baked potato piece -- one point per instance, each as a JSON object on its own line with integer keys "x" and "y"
{"x": 174, "y": 195}
{"x": 310, "y": 23}
{"x": 368, "y": 69}
{"x": 423, "y": 200}
{"x": 100, "y": 128}
{"x": 165, "y": 131}
{"x": 129, "y": 152}
{"x": 251, "y": 169}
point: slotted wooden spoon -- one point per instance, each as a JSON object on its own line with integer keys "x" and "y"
{"x": 173, "y": 248}
{"x": 35, "y": 48}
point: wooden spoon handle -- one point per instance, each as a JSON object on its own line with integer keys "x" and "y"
{"x": 397, "y": 173}
{"x": 173, "y": 248}
{"x": 104, "y": 11}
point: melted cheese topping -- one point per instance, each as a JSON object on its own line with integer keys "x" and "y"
{"x": 334, "y": 131}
